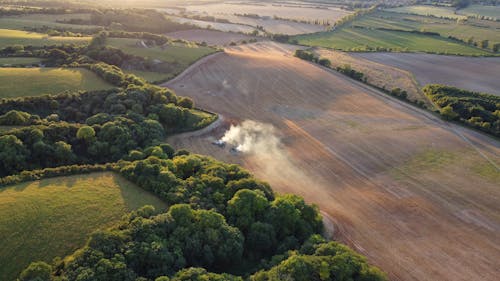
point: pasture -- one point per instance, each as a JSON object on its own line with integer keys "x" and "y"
{"x": 353, "y": 39}
{"x": 9, "y": 37}
{"x": 474, "y": 74}
{"x": 428, "y": 10}
{"x": 177, "y": 55}
{"x": 362, "y": 156}
{"x": 20, "y": 82}
{"x": 44, "y": 219}
{"x": 16, "y": 61}
{"x": 43, "y": 20}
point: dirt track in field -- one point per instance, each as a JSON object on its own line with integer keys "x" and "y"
{"x": 419, "y": 197}
{"x": 474, "y": 74}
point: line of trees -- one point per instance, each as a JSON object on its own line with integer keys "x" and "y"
{"x": 478, "y": 110}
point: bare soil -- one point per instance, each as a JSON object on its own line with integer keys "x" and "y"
{"x": 474, "y": 74}
{"x": 418, "y": 196}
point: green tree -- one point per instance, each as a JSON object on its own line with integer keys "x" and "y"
{"x": 86, "y": 133}
{"x": 13, "y": 155}
{"x": 484, "y": 44}
{"x": 36, "y": 271}
{"x": 246, "y": 207}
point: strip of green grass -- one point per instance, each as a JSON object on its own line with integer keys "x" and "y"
{"x": 9, "y": 37}
{"x": 19, "y": 82}
{"x": 44, "y": 20}
{"x": 348, "y": 39}
{"x": 13, "y": 61}
{"x": 44, "y": 219}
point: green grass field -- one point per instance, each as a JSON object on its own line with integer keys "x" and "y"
{"x": 178, "y": 55}
{"x": 9, "y": 37}
{"x": 481, "y": 10}
{"x": 348, "y": 38}
{"x": 19, "y": 82}
{"x": 478, "y": 29}
{"x": 44, "y": 219}
{"x": 427, "y": 10}
{"x": 44, "y": 20}
{"x": 15, "y": 61}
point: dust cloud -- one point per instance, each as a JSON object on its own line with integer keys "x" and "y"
{"x": 264, "y": 151}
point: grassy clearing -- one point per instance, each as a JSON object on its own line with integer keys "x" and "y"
{"x": 348, "y": 39}
{"x": 478, "y": 29}
{"x": 426, "y": 10}
{"x": 44, "y": 20}
{"x": 15, "y": 61}
{"x": 425, "y": 161}
{"x": 43, "y": 219}
{"x": 178, "y": 56}
{"x": 9, "y": 37}
{"x": 18, "y": 82}
{"x": 149, "y": 75}
{"x": 174, "y": 53}
{"x": 481, "y": 10}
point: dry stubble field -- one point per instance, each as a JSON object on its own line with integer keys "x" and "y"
{"x": 418, "y": 196}
{"x": 474, "y": 74}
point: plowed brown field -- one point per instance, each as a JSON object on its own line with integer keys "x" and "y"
{"x": 418, "y": 196}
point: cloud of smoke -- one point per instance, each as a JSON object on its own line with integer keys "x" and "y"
{"x": 253, "y": 138}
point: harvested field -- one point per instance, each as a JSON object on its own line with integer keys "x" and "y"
{"x": 275, "y": 26}
{"x": 226, "y": 27}
{"x": 429, "y": 10}
{"x": 381, "y": 75}
{"x": 474, "y": 74}
{"x": 295, "y": 12}
{"x": 211, "y": 37}
{"x": 418, "y": 196}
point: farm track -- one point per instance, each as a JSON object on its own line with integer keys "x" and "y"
{"x": 418, "y": 196}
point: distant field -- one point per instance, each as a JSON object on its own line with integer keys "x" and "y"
{"x": 426, "y": 10}
{"x": 478, "y": 29}
{"x": 357, "y": 38}
{"x": 211, "y": 37}
{"x": 44, "y": 20}
{"x": 474, "y": 74}
{"x": 226, "y": 27}
{"x": 178, "y": 55}
{"x": 43, "y": 219}
{"x": 18, "y": 82}
{"x": 481, "y": 10}
{"x": 9, "y": 37}
{"x": 275, "y": 26}
{"x": 11, "y": 61}
{"x": 298, "y": 12}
